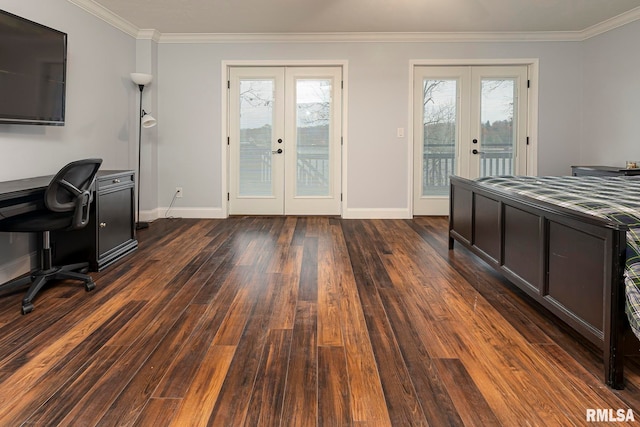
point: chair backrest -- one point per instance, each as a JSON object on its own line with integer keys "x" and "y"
{"x": 70, "y": 190}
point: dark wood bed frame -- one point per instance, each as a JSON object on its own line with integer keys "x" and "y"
{"x": 570, "y": 263}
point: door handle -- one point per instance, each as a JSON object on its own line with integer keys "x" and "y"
{"x": 474, "y": 151}
{"x": 278, "y": 151}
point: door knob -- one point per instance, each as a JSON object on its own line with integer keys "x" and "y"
{"x": 474, "y": 151}
{"x": 278, "y": 151}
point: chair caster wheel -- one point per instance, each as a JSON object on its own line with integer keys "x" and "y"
{"x": 27, "y": 308}
{"x": 84, "y": 270}
{"x": 90, "y": 286}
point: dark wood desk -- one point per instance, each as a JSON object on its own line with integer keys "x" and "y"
{"x": 22, "y": 195}
{"x": 110, "y": 233}
{"x": 14, "y": 190}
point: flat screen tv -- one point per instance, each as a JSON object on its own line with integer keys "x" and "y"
{"x": 33, "y": 68}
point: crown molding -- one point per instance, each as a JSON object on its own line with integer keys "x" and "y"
{"x": 533, "y": 36}
{"x": 369, "y": 37}
{"x": 612, "y": 23}
{"x": 149, "y": 35}
{"x": 107, "y": 16}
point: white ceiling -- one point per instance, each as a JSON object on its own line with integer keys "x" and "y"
{"x": 364, "y": 16}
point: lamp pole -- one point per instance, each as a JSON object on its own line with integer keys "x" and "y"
{"x": 141, "y": 79}
{"x": 140, "y": 225}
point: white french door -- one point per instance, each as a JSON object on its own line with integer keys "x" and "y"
{"x": 285, "y": 140}
{"x": 468, "y": 121}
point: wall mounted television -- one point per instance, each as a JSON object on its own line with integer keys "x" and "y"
{"x": 33, "y": 69}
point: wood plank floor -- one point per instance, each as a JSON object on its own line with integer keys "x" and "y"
{"x": 297, "y": 322}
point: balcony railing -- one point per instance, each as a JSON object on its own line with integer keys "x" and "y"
{"x": 437, "y": 167}
{"x": 313, "y": 169}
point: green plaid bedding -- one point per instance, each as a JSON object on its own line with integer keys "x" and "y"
{"x": 614, "y": 198}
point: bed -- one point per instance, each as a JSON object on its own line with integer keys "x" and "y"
{"x": 570, "y": 243}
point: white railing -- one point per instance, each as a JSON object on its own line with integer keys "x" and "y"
{"x": 437, "y": 167}
{"x": 313, "y": 168}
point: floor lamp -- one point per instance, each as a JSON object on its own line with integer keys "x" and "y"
{"x": 146, "y": 121}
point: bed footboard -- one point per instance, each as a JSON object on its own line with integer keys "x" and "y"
{"x": 570, "y": 263}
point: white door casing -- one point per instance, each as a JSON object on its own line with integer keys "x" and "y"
{"x": 285, "y": 140}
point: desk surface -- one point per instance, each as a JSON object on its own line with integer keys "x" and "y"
{"x": 22, "y": 190}
{"x": 23, "y": 187}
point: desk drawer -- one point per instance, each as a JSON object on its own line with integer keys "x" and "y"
{"x": 109, "y": 181}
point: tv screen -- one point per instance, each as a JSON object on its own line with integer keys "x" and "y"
{"x": 33, "y": 62}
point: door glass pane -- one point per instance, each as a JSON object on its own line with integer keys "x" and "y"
{"x": 313, "y": 114}
{"x": 256, "y": 128}
{"x": 440, "y": 130}
{"x": 497, "y": 137}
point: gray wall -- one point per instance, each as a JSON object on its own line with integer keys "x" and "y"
{"x": 611, "y": 100}
{"x": 189, "y": 92}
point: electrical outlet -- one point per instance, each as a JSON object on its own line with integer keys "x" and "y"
{"x": 178, "y": 192}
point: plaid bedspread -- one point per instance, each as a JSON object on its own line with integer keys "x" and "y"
{"x": 614, "y": 198}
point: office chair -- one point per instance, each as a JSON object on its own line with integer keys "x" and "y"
{"x": 67, "y": 200}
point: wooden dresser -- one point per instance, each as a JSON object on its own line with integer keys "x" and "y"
{"x": 602, "y": 171}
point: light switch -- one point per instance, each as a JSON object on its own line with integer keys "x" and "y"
{"x": 400, "y": 133}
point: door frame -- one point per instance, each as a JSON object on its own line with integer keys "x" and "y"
{"x": 532, "y": 113}
{"x": 224, "y": 111}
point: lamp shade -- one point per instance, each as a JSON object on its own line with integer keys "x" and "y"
{"x": 141, "y": 78}
{"x": 148, "y": 121}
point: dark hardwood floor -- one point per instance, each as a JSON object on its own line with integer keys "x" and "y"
{"x": 297, "y": 321}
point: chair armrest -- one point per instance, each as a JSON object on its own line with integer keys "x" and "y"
{"x": 81, "y": 212}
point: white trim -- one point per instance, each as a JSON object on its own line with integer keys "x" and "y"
{"x": 399, "y": 37}
{"x": 149, "y": 35}
{"x": 149, "y": 215}
{"x": 224, "y": 155}
{"x": 377, "y": 213}
{"x": 199, "y": 213}
{"x": 410, "y": 131}
{"x": 107, "y": 16}
{"x": 469, "y": 62}
{"x": 611, "y": 23}
{"x": 532, "y": 131}
{"x": 224, "y": 128}
{"x": 345, "y": 133}
{"x": 282, "y": 63}
{"x": 390, "y": 37}
{"x": 18, "y": 266}
{"x": 181, "y": 212}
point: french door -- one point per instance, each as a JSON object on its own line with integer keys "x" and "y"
{"x": 285, "y": 140}
{"x": 468, "y": 121}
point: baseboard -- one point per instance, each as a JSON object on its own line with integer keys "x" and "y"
{"x": 18, "y": 267}
{"x": 217, "y": 213}
{"x": 201, "y": 213}
{"x": 377, "y": 213}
